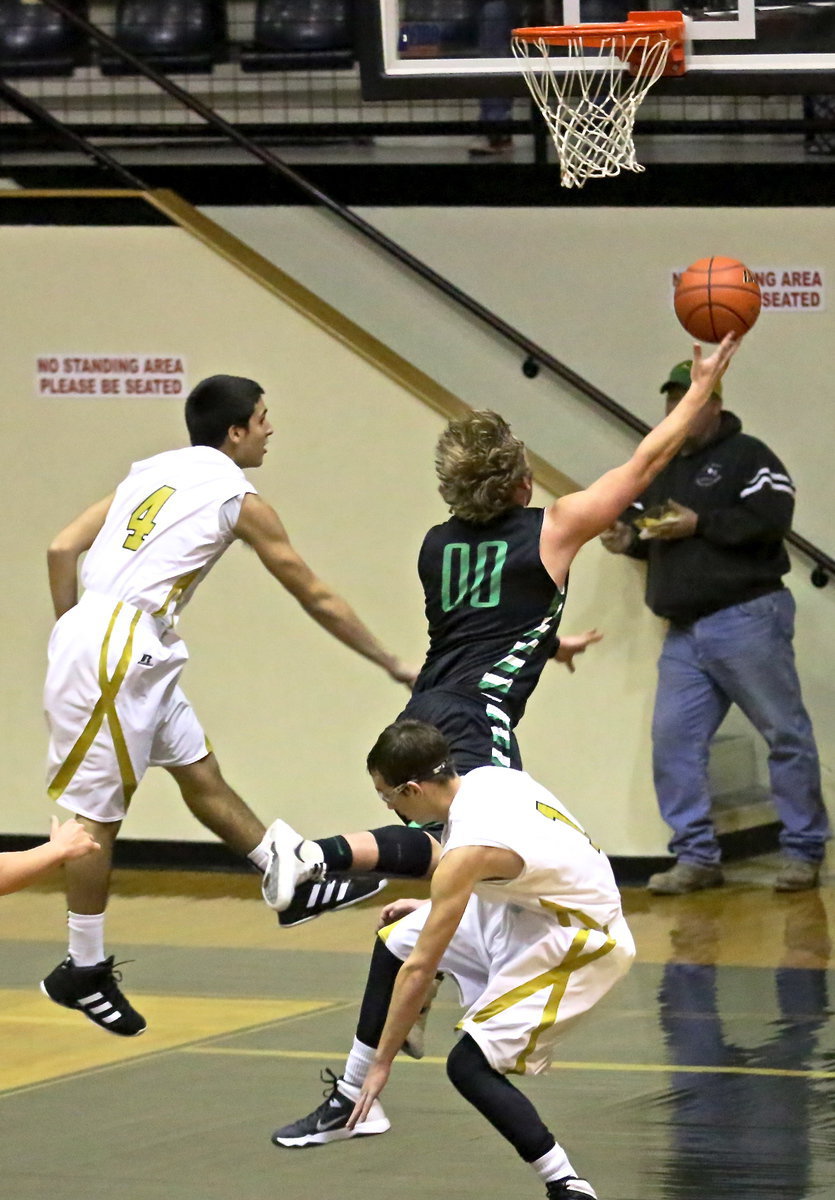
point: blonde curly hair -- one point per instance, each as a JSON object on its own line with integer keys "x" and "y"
{"x": 480, "y": 464}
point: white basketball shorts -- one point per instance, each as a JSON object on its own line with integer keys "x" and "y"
{"x": 523, "y": 978}
{"x": 113, "y": 706}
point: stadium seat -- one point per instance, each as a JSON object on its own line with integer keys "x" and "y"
{"x": 175, "y": 36}
{"x": 34, "y": 40}
{"x": 300, "y": 35}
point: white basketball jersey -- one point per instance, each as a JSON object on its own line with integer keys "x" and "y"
{"x": 563, "y": 873}
{"x": 168, "y": 525}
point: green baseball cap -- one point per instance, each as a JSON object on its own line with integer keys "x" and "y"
{"x": 680, "y": 377}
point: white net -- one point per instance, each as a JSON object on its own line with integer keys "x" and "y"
{"x": 590, "y": 107}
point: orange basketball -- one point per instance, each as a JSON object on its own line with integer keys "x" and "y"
{"x": 716, "y": 296}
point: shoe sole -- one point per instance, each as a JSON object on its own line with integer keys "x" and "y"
{"x": 348, "y": 904}
{"x": 281, "y": 876}
{"x": 686, "y": 891}
{"x": 75, "y": 1008}
{"x": 369, "y": 1128}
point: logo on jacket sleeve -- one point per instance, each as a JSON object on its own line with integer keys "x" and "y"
{"x": 710, "y": 474}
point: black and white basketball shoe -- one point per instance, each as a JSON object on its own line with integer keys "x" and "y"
{"x": 94, "y": 991}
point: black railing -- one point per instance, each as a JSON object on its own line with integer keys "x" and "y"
{"x": 535, "y": 356}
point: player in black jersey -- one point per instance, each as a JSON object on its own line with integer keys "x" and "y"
{"x": 492, "y": 611}
{"x": 494, "y": 578}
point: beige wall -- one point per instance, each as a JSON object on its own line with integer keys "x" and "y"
{"x": 290, "y": 712}
{"x": 592, "y": 286}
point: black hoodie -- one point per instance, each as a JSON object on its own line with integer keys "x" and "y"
{"x": 744, "y": 498}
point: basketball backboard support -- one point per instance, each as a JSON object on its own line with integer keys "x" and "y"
{"x": 418, "y": 49}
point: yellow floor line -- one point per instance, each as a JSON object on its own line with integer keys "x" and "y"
{"x": 436, "y": 1061}
{"x": 41, "y": 1041}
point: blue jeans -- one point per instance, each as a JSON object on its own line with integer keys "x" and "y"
{"x": 740, "y": 655}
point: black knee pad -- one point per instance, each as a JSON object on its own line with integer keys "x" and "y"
{"x": 403, "y": 851}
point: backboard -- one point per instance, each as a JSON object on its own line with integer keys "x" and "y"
{"x": 412, "y": 49}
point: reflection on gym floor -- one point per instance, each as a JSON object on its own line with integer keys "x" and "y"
{"x": 706, "y": 1075}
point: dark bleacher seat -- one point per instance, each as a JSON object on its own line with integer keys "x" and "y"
{"x": 174, "y": 36}
{"x": 300, "y": 35}
{"x": 34, "y": 40}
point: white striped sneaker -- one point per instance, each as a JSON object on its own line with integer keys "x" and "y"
{"x": 310, "y": 900}
{"x": 293, "y": 860}
{"x": 94, "y": 992}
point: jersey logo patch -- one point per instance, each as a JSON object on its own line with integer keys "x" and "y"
{"x": 146, "y": 661}
{"x": 710, "y": 474}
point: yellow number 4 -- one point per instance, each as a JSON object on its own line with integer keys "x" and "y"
{"x": 143, "y": 517}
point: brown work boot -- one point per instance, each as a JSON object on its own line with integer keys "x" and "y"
{"x": 685, "y": 877}
{"x": 797, "y": 875}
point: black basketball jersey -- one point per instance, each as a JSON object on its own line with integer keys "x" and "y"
{"x": 492, "y": 608}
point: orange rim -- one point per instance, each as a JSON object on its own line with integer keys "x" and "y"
{"x": 639, "y": 24}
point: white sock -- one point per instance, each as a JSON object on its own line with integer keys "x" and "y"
{"x": 358, "y": 1063}
{"x": 260, "y": 856}
{"x": 553, "y": 1165}
{"x": 86, "y": 946}
{"x": 313, "y": 855}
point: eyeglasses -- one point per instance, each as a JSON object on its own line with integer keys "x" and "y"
{"x": 386, "y": 797}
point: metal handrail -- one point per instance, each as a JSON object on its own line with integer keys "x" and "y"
{"x": 536, "y": 356}
{"x": 36, "y": 112}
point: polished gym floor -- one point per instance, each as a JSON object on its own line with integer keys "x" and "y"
{"x": 708, "y": 1074}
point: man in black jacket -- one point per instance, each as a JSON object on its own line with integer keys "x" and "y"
{"x": 711, "y": 527}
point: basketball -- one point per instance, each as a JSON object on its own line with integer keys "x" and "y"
{"x": 716, "y": 296}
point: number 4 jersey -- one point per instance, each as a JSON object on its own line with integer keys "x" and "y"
{"x": 171, "y": 519}
{"x": 492, "y": 608}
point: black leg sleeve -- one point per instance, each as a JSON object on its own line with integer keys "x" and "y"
{"x": 377, "y": 995}
{"x": 403, "y": 851}
{"x": 504, "y": 1106}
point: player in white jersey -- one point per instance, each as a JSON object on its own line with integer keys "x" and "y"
{"x": 112, "y": 696}
{"x": 524, "y": 914}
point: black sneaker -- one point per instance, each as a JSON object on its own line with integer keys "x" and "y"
{"x": 570, "y": 1188}
{"x": 327, "y": 1122}
{"x": 94, "y": 992}
{"x": 312, "y": 899}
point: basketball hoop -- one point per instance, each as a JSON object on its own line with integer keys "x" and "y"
{"x": 590, "y": 108}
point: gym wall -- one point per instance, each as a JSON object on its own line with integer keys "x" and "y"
{"x": 290, "y": 712}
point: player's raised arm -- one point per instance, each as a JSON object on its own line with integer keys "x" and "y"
{"x": 260, "y": 527}
{"x": 66, "y": 549}
{"x": 575, "y": 519}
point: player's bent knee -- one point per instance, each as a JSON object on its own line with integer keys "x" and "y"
{"x": 403, "y": 851}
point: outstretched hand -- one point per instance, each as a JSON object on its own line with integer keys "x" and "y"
{"x": 375, "y": 1081}
{"x": 576, "y": 644}
{"x": 710, "y": 370}
{"x": 71, "y": 839}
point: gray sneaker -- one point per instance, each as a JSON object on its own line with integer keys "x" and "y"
{"x": 685, "y": 877}
{"x": 797, "y": 875}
